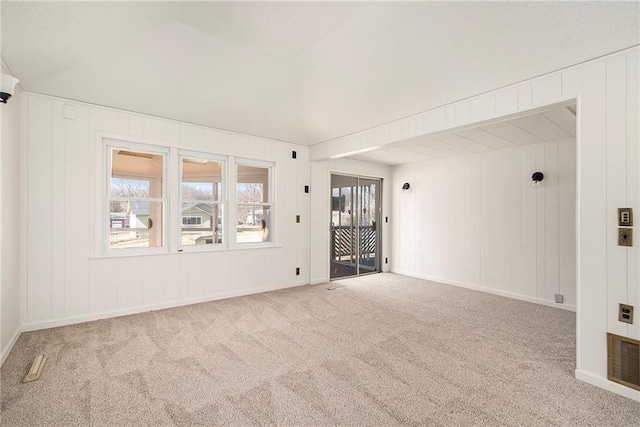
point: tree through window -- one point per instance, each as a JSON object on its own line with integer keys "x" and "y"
{"x": 254, "y": 203}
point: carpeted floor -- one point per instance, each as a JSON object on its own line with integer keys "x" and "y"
{"x": 380, "y": 350}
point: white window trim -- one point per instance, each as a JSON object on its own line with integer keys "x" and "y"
{"x": 107, "y": 144}
{"x": 271, "y": 167}
{"x": 172, "y": 221}
{"x": 221, "y": 202}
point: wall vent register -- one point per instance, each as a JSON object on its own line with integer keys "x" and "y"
{"x": 623, "y": 360}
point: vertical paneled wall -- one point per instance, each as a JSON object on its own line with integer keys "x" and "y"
{"x": 478, "y": 222}
{"x": 321, "y": 209}
{"x": 608, "y": 169}
{"x": 10, "y": 320}
{"x": 67, "y": 279}
{"x": 608, "y": 162}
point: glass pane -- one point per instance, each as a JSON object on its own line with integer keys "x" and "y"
{"x": 253, "y": 224}
{"x": 201, "y": 179}
{"x": 128, "y": 187}
{"x": 344, "y": 190}
{"x": 253, "y": 184}
{"x": 135, "y": 224}
{"x": 368, "y": 207}
{"x": 136, "y": 174}
{"x": 201, "y": 224}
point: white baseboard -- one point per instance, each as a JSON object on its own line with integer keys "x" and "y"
{"x": 7, "y": 349}
{"x": 318, "y": 281}
{"x": 45, "y": 324}
{"x": 489, "y": 290}
{"x": 607, "y": 385}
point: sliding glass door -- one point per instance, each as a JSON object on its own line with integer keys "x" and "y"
{"x": 355, "y": 226}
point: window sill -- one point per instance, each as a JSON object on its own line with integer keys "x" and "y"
{"x": 244, "y": 247}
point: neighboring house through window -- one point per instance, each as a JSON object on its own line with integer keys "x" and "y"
{"x": 202, "y": 197}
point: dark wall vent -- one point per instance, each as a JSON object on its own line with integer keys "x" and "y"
{"x": 623, "y": 357}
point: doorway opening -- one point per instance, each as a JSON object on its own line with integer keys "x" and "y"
{"x": 355, "y": 226}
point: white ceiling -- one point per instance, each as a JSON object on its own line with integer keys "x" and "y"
{"x": 299, "y": 71}
{"x": 553, "y": 125}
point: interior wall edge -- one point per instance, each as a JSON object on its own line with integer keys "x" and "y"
{"x": 151, "y": 116}
{"x": 36, "y": 326}
{"x": 7, "y": 348}
{"x": 604, "y": 383}
{"x": 567, "y": 91}
{"x": 493, "y": 291}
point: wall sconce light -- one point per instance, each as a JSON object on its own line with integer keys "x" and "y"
{"x": 537, "y": 177}
{"x": 7, "y": 84}
{"x": 405, "y": 186}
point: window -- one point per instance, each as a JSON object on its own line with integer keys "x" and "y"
{"x": 254, "y": 202}
{"x": 151, "y": 210}
{"x": 192, "y": 220}
{"x": 201, "y": 200}
{"x": 135, "y": 197}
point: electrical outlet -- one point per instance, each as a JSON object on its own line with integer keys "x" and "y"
{"x": 386, "y": 260}
{"x": 294, "y": 155}
{"x": 297, "y": 271}
{"x": 625, "y": 314}
{"x": 386, "y": 219}
{"x": 559, "y": 298}
{"x": 306, "y": 188}
{"x": 297, "y": 218}
{"x": 625, "y": 236}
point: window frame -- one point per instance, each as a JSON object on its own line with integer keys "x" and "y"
{"x": 108, "y": 145}
{"x": 271, "y": 203}
{"x": 221, "y": 202}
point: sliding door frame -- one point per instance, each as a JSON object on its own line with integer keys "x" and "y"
{"x": 379, "y": 223}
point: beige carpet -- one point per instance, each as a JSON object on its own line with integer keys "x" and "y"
{"x": 381, "y": 350}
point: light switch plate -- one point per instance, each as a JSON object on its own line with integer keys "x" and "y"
{"x": 625, "y": 217}
{"x": 625, "y": 236}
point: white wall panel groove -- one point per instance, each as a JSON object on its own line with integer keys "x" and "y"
{"x": 616, "y": 191}
{"x": 633, "y": 179}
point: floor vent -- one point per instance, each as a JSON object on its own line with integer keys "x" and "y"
{"x": 623, "y": 357}
{"x": 36, "y": 369}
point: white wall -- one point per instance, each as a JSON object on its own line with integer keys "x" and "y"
{"x": 67, "y": 281}
{"x": 10, "y": 223}
{"x": 64, "y": 285}
{"x": 321, "y": 209}
{"x": 476, "y": 221}
{"x": 608, "y": 167}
